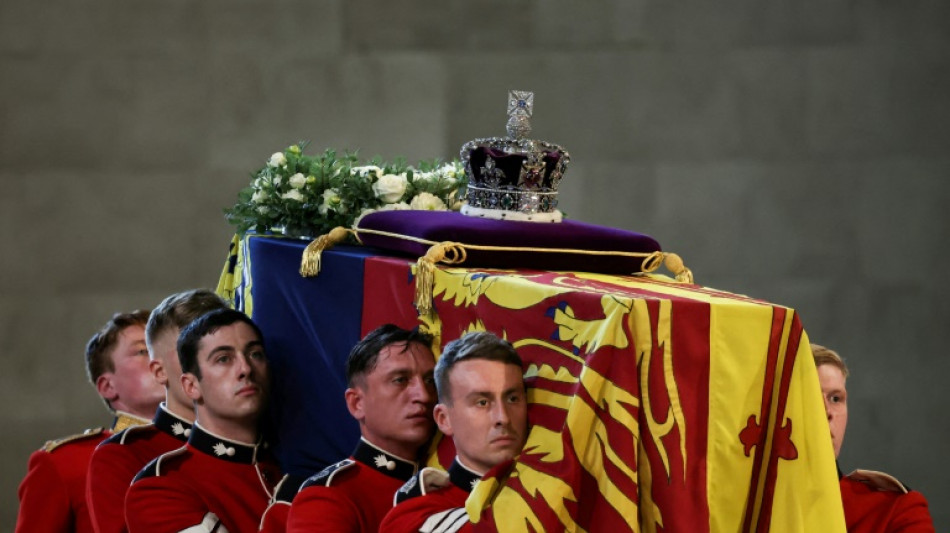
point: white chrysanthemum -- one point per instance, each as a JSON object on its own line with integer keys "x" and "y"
{"x": 427, "y": 202}
{"x": 277, "y": 160}
{"x": 297, "y": 181}
{"x": 259, "y": 196}
{"x": 391, "y": 187}
{"x": 293, "y": 194}
{"x": 331, "y": 202}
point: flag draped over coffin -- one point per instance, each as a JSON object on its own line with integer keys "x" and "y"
{"x": 654, "y": 406}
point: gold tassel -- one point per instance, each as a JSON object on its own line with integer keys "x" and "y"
{"x": 675, "y": 265}
{"x": 443, "y": 252}
{"x": 310, "y": 262}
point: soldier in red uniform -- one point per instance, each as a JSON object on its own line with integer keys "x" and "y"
{"x": 482, "y": 406}
{"x": 224, "y": 477}
{"x": 391, "y": 394}
{"x": 120, "y": 457}
{"x": 52, "y": 495}
{"x": 874, "y": 502}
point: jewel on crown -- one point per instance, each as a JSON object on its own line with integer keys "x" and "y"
{"x": 514, "y": 178}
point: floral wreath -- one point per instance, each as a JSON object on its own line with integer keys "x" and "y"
{"x": 306, "y": 196}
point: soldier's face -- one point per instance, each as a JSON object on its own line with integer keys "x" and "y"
{"x": 234, "y": 381}
{"x": 135, "y": 388}
{"x": 488, "y": 414}
{"x": 835, "y": 395}
{"x": 394, "y": 401}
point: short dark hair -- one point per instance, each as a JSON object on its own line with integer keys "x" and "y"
{"x": 207, "y": 324}
{"x": 363, "y": 356}
{"x": 475, "y": 345}
{"x": 98, "y": 359}
{"x": 179, "y": 310}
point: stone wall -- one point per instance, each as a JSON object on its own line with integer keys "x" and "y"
{"x": 797, "y": 151}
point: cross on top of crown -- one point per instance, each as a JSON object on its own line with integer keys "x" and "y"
{"x": 520, "y": 103}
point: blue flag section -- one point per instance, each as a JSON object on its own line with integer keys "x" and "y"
{"x": 308, "y": 423}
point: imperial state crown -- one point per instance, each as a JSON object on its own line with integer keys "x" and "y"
{"x": 514, "y": 178}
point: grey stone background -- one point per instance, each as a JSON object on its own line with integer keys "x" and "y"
{"x": 792, "y": 150}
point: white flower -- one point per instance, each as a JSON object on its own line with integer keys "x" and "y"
{"x": 277, "y": 180}
{"x": 366, "y": 170}
{"x": 298, "y": 180}
{"x": 427, "y": 202}
{"x": 259, "y": 196}
{"x": 331, "y": 202}
{"x": 263, "y": 209}
{"x": 401, "y": 206}
{"x": 424, "y": 177}
{"x": 293, "y": 194}
{"x": 277, "y": 160}
{"x": 390, "y": 187}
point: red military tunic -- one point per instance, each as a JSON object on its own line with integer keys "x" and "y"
{"x": 875, "y": 502}
{"x": 275, "y": 517}
{"x": 53, "y": 493}
{"x": 119, "y": 458}
{"x": 433, "y": 501}
{"x": 212, "y": 484}
{"x": 351, "y": 496}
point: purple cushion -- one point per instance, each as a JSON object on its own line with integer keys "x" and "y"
{"x": 441, "y": 226}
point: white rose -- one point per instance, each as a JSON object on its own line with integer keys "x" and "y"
{"x": 390, "y": 187}
{"x": 263, "y": 209}
{"x": 277, "y": 181}
{"x": 331, "y": 202}
{"x": 298, "y": 180}
{"x": 277, "y": 160}
{"x": 259, "y": 197}
{"x": 427, "y": 202}
{"x": 293, "y": 194}
{"x": 401, "y": 206}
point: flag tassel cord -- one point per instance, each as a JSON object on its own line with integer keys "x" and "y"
{"x": 455, "y": 253}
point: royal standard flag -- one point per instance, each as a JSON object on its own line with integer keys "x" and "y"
{"x": 653, "y": 405}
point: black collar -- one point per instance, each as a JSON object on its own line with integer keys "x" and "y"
{"x": 172, "y": 424}
{"x": 383, "y": 461}
{"x": 462, "y": 477}
{"x": 222, "y": 448}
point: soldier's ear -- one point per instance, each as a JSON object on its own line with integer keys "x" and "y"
{"x": 189, "y": 383}
{"x": 441, "y": 415}
{"x": 105, "y": 387}
{"x": 158, "y": 371}
{"x": 354, "y": 403}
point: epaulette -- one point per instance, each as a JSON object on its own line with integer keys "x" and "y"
{"x": 123, "y": 436}
{"x": 879, "y": 481}
{"x": 154, "y": 467}
{"x": 53, "y": 444}
{"x": 424, "y": 482}
{"x": 288, "y": 487}
{"x": 324, "y": 477}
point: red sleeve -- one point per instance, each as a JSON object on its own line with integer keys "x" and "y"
{"x": 111, "y": 471}
{"x": 406, "y": 517}
{"x": 911, "y": 515}
{"x": 323, "y": 509}
{"x": 275, "y": 518}
{"x": 44, "y": 498}
{"x": 154, "y": 505}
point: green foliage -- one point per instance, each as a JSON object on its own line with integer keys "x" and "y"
{"x": 307, "y": 196}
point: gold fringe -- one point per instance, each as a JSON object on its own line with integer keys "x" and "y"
{"x": 310, "y": 262}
